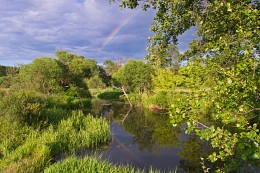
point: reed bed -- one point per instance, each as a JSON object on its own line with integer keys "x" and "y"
{"x": 39, "y": 150}
{"x": 92, "y": 165}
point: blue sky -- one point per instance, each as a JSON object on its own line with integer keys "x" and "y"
{"x": 36, "y": 28}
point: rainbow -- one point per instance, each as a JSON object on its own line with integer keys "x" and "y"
{"x": 116, "y": 30}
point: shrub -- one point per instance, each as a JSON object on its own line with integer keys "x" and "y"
{"x": 160, "y": 99}
{"x": 96, "y": 82}
{"x": 5, "y": 82}
{"x": 25, "y": 105}
{"x": 110, "y": 95}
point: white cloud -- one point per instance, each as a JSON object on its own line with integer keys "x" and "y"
{"x": 31, "y": 29}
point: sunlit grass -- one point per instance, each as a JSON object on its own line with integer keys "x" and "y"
{"x": 39, "y": 150}
{"x": 92, "y": 165}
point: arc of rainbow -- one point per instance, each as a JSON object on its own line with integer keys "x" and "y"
{"x": 117, "y": 29}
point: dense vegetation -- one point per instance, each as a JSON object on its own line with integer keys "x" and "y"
{"x": 217, "y": 79}
{"x": 222, "y": 75}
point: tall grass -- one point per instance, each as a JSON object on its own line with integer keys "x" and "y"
{"x": 80, "y": 131}
{"x": 91, "y": 165}
{"x": 106, "y": 94}
{"x": 70, "y": 135}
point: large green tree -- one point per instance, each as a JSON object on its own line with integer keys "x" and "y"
{"x": 43, "y": 75}
{"x": 135, "y": 76}
{"x": 76, "y": 70}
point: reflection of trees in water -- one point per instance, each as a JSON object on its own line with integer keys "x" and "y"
{"x": 151, "y": 131}
{"x": 192, "y": 150}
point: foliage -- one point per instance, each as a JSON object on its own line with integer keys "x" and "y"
{"x": 228, "y": 41}
{"x": 77, "y": 91}
{"x": 159, "y": 98}
{"x": 192, "y": 75}
{"x": 5, "y": 82}
{"x": 95, "y": 82}
{"x": 92, "y": 68}
{"x": 111, "y": 67}
{"x": 2, "y": 71}
{"x": 67, "y": 74}
{"x": 43, "y": 75}
{"x": 110, "y": 95}
{"x": 106, "y": 78}
{"x": 76, "y": 70}
{"x": 135, "y": 76}
{"x": 165, "y": 79}
{"x": 24, "y": 105}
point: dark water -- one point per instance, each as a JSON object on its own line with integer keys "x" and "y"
{"x": 144, "y": 139}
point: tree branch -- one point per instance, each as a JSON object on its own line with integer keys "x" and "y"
{"x": 125, "y": 94}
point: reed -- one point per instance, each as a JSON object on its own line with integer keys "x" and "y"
{"x": 40, "y": 148}
{"x": 90, "y": 165}
{"x": 94, "y": 165}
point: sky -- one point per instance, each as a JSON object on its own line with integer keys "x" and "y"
{"x": 91, "y": 28}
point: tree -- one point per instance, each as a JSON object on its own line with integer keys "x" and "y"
{"x": 228, "y": 39}
{"x": 106, "y": 79}
{"x": 95, "y": 82}
{"x": 2, "y": 70}
{"x": 111, "y": 67}
{"x": 164, "y": 79}
{"x": 76, "y": 70}
{"x": 135, "y": 76}
{"x": 43, "y": 75}
{"x": 91, "y": 68}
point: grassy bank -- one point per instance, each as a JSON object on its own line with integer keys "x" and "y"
{"x": 106, "y": 94}
{"x": 41, "y": 147}
{"x": 36, "y": 128}
{"x": 91, "y": 165}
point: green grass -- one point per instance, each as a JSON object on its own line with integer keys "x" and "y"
{"x": 4, "y": 89}
{"x": 40, "y": 148}
{"x": 91, "y": 165}
{"x": 106, "y": 94}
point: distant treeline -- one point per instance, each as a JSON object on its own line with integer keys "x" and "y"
{"x": 5, "y": 70}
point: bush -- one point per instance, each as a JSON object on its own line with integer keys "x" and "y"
{"x": 110, "y": 95}
{"x": 12, "y": 134}
{"x": 25, "y": 105}
{"x": 5, "y": 82}
{"x": 75, "y": 91}
{"x": 96, "y": 82}
{"x": 160, "y": 99}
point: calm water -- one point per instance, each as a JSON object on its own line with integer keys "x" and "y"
{"x": 144, "y": 139}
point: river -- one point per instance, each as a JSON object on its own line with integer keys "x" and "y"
{"x": 144, "y": 139}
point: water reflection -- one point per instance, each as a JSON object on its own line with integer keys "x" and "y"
{"x": 144, "y": 139}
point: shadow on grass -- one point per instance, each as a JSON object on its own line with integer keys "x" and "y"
{"x": 110, "y": 95}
